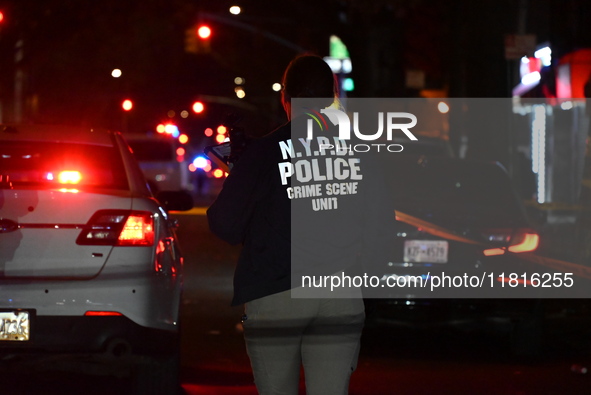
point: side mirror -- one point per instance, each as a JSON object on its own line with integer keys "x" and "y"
{"x": 175, "y": 200}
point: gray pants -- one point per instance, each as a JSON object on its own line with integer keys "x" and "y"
{"x": 322, "y": 335}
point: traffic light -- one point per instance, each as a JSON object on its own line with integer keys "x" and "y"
{"x": 204, "y": 32}
{"x": 197, "y": 39}
{"x": 127, "y": 105}
{"x": 191, "y": 41}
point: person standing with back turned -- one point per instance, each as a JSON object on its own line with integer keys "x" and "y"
{"x": 283, "y": 333}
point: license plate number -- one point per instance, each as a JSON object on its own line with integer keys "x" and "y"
{"x": 15, "y": 326}
{"x": 427, "y": 251}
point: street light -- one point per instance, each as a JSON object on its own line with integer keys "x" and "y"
{"x": 240, "y": 93}
{"x": 198, "y": 107}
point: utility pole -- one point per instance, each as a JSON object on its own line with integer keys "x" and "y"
{"x": 19, "y": 81}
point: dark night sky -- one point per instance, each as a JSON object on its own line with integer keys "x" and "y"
{"x": 71, "y": 46}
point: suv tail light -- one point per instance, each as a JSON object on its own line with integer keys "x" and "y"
{"x": 118, "y": 228}
{"x": 520, "y": 242}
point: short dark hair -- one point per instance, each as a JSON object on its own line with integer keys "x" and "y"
{"x": 309, "y": 76}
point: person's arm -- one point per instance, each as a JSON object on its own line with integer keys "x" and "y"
{"x": 230, "y": 213}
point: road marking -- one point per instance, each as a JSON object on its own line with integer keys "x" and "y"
{"x": 193, "y": 211}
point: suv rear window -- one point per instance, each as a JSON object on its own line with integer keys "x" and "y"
{"x": 447, "y": 194}
{"x": 50, "y": 165}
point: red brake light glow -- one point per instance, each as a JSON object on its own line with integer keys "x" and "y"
{"x": 526, "y": 243}
{"x": 138, "y": 230}
{"x": 118, "y": 228}
{"x": 494, "y": 251}
{"x": 102, "y": 313}
{"x": 530, "y": 243}
{"x": 69, "y": 177}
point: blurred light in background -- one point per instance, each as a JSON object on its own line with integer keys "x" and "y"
{"x": 198, "y": 107}
{"x": 200, "y": 162}
{"x": 184, "y": 114}
{"x": 277, "y": 87}
{"x": 171, "y": 114}
{"x": 443, "y": 107}
{"x": 161, "y": 128}
{"x": 208, "y": 132}
{"x": 348, "y": 84}
{"x": 183, "y": 139}
{"x": 218, "y": 173}
{"x": 172, "y": 130}
{"x": 204, "y": 32}
{"x": 235, "y": 10}
{"x": 127, "y": 105}
{"x": 531, "y": 78}
{"x": 545, "y": 55}
{"x": 222, "y": 129}
{"x": 240, "y": 93}
{"x": 239, "y": 81}
{"x": 538, "y": 155}
{"x": 116, "y": 73}
{"x": 220, "y": 138}
{"x": 180, "y": 151}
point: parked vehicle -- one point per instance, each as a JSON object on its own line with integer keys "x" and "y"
{"x": 89, "y": 260}
{"x": 163, "y": 160}
{"x": 455, "y": 216}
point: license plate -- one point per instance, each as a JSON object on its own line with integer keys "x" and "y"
{"x": 15, "y": 326}
{"x": 428, "y": 251}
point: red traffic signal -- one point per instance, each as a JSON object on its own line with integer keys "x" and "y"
{"x": 204, "y": 32}
{"x": 127, "y": 105}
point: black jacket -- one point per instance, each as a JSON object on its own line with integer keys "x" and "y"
{"x": 253, "y": 209}
{"x": 325, "y": 226}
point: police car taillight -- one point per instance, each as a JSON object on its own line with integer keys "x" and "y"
{"x": 118, "y": 228}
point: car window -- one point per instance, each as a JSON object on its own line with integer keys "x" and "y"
{"x": 152, "y": 151}
{"x": 449, "y": 194}
{"x": 47, "y": 164}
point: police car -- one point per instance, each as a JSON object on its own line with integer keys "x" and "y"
{"x": 89, "y": 257}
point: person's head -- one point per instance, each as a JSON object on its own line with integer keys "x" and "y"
{"x": 308, "y": 76}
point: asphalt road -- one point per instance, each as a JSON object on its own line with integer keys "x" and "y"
{"x": 439, "y": 349}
